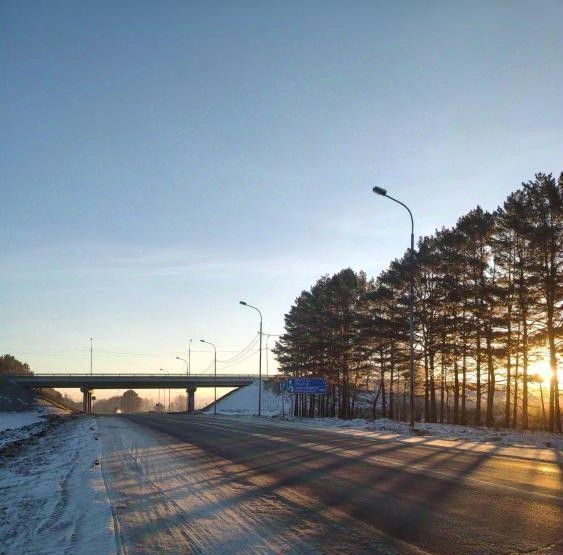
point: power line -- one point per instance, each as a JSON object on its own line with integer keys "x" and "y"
{"x": 253, "y": 353}
{"x": 242, "y": 352}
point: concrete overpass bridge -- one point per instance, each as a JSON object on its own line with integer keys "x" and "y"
{"x": 89, "y": 382}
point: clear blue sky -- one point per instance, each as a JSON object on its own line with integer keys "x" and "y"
{"x": 161, "y": 161}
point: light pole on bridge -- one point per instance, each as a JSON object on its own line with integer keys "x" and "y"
{"x": 188, "y": 360}
{"x": 215, "y": 372}
{"x": 168, "y": 374}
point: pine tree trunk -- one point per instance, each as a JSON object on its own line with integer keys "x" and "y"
{"x": 516, "y": 378}
{"x": 491, "y": 382}
{"x": 442, "y": 387}
{"x": 554, "y": 408}
{"x": 426, "y": 387}
{"x": 391, "y": 393}
{"x": 508, "y": 369}
{"x": 456, "y": 389}
{"x": 432, "y": 390}
{"x": 383, "y": 401}
{"x": 524, "y": 372}
{"x": 376, "y": 398}
{"x": 463, "y": 382}
{"x": 478, "y": 378}
{"x": 404, "y": 415}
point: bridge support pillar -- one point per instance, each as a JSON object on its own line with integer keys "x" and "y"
{"x": 86, "y": 400}
{"x": 191, "y": 399}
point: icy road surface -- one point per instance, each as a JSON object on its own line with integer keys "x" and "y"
{"x": 173, "y": 484}
{"x": 223, "y": 485}
{"x": 173, "y": 497}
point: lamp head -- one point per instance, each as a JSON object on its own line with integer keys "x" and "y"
{"x": 380, "y": 191}
{"x": 203, "y": 341}
{"x": 242, "y": 302}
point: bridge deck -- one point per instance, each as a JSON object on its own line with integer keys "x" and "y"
{"x": 133, "y": 381}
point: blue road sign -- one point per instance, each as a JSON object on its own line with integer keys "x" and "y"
{"x": 306, "y": 385}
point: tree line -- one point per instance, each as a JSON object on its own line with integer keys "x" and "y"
{"x": 488, "y": 306}
{"x": 11, "y": 366}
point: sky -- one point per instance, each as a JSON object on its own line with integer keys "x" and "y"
{"x": 160, "y": 161}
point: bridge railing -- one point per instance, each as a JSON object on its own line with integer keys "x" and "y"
{"x": 128, "y": 375}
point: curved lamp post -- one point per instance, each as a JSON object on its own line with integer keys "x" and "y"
{"x": 168, "y": 374}
{"x": 383, "y": 192}
{"x": 243, "y": 303}
{"x": 189, "y": 357}
{"x": 184, "y": 360}
{"x": 215, "y": 370}
{"x": 187, "y": 374}
{"x": 188, "y": 361}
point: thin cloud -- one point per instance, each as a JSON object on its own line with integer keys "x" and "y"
{"x": 123, "y": 262}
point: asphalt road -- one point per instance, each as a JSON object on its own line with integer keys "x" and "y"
{"x": 226, "y": 484}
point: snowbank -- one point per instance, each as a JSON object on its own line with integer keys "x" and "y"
{"x": 12, "y": 420}
{"x": 17, "y": 427}
{"x": 54, "y": 497}
{"x": 244, "y": 400}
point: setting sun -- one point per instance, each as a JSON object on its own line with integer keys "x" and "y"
{"x": 541, "y": 368}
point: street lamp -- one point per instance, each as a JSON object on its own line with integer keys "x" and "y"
{"x": 187, "y": 374}
{"x": 168, "y": 374}
{"x": 215, "y": 370}
{"x": 189, "y": 357}
{"x": 188, "y": 361}
{"x": 180, "y": 358}
{"x": 243, "y": 303}
{"x": 383, "y": 192}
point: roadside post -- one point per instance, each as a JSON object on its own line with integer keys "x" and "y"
{"x": 282, "y": 393}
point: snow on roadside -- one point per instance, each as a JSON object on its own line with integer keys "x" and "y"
{"x": 54, "y": 498}
{"x": 451, "y": 432}
{"x": 18, "y": 427}
{"x": 244, "y": 402}
{"x": 12, "y": 420}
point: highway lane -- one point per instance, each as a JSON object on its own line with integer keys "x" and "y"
{"x": 249, "y": 485}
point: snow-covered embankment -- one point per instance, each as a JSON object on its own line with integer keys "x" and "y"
{"x": 244, "y": 400}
